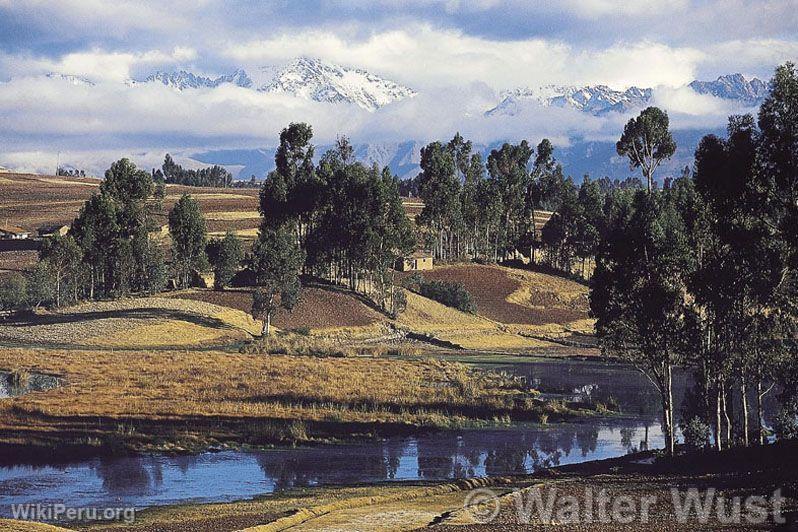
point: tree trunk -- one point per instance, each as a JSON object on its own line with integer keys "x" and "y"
{"x": 267, "y": 323}
{"x": 726, "y": 415}
{"x": 744, "y": 413}
{"x": 718, "y": 423}
{"x": 669, "y": 391}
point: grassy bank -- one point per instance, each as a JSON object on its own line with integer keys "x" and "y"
{"x": 189, "y": 400}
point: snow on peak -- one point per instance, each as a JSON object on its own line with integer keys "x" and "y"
{"x": 69, "y": 78}
{"x": 596, "y": 99}
{"x": 313, "y": 79}
{"x": 733, "y": 87}
{"x": 182, "y": 80}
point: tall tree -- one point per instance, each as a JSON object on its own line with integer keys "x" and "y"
{"x": 637, "y": 294}
{"x": 187, "y": 229}
{"x": 646, "y": 141}
{"x": 64, "y": 256}
{"x": 507, "y": 166}
{"x": 225, "y": 255}
{"x": 439, "y": 188}
{"x": 276, "y": 263}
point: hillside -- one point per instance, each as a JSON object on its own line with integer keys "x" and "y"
{"x": 518, "y": 310}
{"x": 32, "y": 201}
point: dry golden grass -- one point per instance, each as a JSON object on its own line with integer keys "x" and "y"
{"x": 27, "y": 526}
{"x": 199, "y": 396}
{"x": 68, "y": 182}
{"x": 243, "y": 514}
{"x": 233, "y": 215}
{"x": 163, "y": 334}
{"x": 466, "y": 330}
{"x": 244, "y": 234}
{"x": 135, "y": 323}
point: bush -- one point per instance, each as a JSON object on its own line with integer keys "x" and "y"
{"x": 786, "y": 424}
{"x": 13, "y": 292}
{"x": 696, "y": 433}
{"x": 449, "y": 293}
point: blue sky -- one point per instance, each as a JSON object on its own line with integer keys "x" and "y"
{"x": 458, "y": 54}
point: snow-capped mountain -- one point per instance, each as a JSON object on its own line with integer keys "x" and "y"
{"x": 320, "y": 81}
{"x": 600, "y": 99}
{"x": 69, "y": 78}
{"x": 596, "y": 100}
{"x": 183, "y": 80}
{"x": 733, "y": 87}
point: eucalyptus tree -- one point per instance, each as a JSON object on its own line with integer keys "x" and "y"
{"x": 638, "y": 293}
{"x": 276, "y": 262}
{"x": 289, "y": 193}
{"x": 507, "y": 167}
{"x": 646, "y": 142}
{"x": 225, "y": 255}
{"x": 439, "y": 188}
{"x": 189, "y": 239}
{"x": 776, "y": 192}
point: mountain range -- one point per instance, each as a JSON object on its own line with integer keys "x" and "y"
{"x": 321, "y": 81}
{"x": 313, "y": 79}
{"x": 304, "y": 77}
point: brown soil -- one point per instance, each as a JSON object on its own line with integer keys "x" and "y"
{"x": 491, "y": 285}
{"x": 31, "y": 201}
{"x": 318, "y": 308}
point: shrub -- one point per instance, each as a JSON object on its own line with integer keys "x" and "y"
{"x": 449, "y": 293}
{"x": 13, "y": 292}
{"x": 786, "y": 424}
{"x": 696, "y": 433}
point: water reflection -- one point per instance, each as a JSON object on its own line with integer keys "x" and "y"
{"x": 236, "y": 475}
{"x": 16, "y": 384}
{"x": 233, "y": 475}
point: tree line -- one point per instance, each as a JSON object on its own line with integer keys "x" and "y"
{"x": 172, "y": 173}
{"x": 702, "y": 274}
{"x": 340, "y": 221}
{"x": 113, "y": 247}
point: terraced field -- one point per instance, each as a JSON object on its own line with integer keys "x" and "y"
{"x": 512, "y": 296}
{"x": 140, "y": 323}
{"x": 318, "y": 309}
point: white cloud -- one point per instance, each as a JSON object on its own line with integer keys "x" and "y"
{"x": 425, "y": 56}
{"x": 95, "y": 64}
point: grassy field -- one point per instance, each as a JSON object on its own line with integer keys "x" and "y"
{"x": 170, "y": 400}
{"x": 516, "y": 309}
{"x": 136, "y": 323}
{"x": 319, "y": 309}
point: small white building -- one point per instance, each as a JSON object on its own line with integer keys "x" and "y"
{"x": 11, "y": 232}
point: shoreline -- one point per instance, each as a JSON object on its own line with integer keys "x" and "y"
{"x": 647, "y": 472}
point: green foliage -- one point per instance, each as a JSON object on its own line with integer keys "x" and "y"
{"x": 111, "y": 231}
{"x": 646, "y": 142}
{"x": 40, "y": 285}
{"x": 225, "y": 255}
{"x": 13, "y": 292}
{"x": 696, "y": 433}
{"x": 187, "y": 229}
{"x": 125, "y": 183}
{"x": 786, "y": 423}
{"x": 65, "y": 257}
{"x": 214, "y": 176}
{"x": 276, "y": 262}
{"x": 450, "y": 293}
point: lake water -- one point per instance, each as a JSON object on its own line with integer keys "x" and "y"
{"x": 144, "y": 481}
{"x": 33, "y": 382}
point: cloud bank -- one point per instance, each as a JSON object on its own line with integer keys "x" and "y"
{"x": 458, "y": 54}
